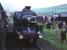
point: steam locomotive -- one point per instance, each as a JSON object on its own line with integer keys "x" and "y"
{"x": 25, "y": 25}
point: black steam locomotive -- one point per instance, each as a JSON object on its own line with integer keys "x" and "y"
{"x": 25, "y": 25}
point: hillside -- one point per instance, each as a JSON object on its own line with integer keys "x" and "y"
{"x": 52, "y": 10}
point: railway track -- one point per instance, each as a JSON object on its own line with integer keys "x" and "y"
{"x": 30, "y": 47}
{"x": 33, "y": 47}
{"x": 12, "y": 43}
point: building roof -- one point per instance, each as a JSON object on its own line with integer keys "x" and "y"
{"x": 1, "y": 8}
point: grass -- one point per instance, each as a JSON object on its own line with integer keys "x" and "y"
{"x": 50, "y": 35}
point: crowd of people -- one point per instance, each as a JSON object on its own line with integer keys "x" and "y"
{"x": 60, "y": 26}
{"x": 48, "y": 21}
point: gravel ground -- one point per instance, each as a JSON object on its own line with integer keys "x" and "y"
{"x": 45, "y": 45}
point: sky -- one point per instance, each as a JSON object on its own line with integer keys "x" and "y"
{"x": 18, "y": 5}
